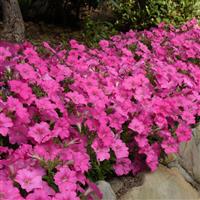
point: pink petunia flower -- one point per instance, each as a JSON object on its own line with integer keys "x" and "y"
{"x": 183, "y": 133}
{"x": 103, "y": 44}
{"x": 66, "y": 179}
{"x": 29, "y": 179}
{"x": 137, "y": 125}
{"x": 122, "y": 166}
{"x": 8, "y": 191}
{"x": 67, "y": 195}
{"x": 14, "y": 105}
{"x": 38, "y": 195}
{"x": 40, "y": 132}
{"x": 4, "y": 53}
{"x": 61, "y": 128}
{"x": 5, "y": 124}
{"x": 26, "y": 71}
{"x": 170, "y": 145}
{"x": 120, "y": 149}
{"x": 102, "y": 152}
{"x": 21, "y": 88}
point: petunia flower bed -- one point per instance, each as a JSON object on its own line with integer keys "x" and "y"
{"x": 69, "y": 117}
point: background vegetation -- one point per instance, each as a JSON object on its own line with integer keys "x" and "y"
{"x": 96, "y": 19}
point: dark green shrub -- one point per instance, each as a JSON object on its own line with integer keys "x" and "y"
{"x": 94, "y": 31}
{"x": 140, "y": 14}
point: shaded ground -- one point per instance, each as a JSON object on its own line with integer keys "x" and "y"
{"x": 37, "y": 33}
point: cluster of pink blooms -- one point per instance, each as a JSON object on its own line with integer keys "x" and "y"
{"x": 136, "y": 96}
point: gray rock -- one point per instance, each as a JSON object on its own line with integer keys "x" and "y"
{"x": 189, "y": 155}
{"x": 116, "y": 184}
{"x": 122, "y": 184}
{"x": 164, "y": 184}
{"x": 185, "y": 174}
{"x": 106, "y": 190}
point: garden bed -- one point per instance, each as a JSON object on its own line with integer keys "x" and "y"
{"x": 72, "y": 117}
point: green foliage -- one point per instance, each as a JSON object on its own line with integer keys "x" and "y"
{"x": 195, "y": 61}
{"x": 100, "y": 170}
{"x": 23, "y": 192}
{"x": 38, "y": 91}
{"x": 50, "y": 167}
{"x": 94, "y": 31}
{"x": 140, "y": 14}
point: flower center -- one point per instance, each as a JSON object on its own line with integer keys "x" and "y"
{"x": 27, "y": 181}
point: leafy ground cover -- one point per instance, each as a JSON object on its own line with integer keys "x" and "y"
{"x": 71, "y": 117}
